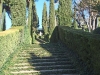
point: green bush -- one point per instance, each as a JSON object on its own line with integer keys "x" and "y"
{"x": 54, "y": 37}
{"x": 87, "y": 45}
{"x": 27, "y": 35}
{"x": 96, "y": 31}
{"x": 9, "y": 41}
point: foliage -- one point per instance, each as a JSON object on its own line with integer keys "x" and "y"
{"x": 18, "y": 12}
{"x": 27, "y": 36}
{"x": 75, "y": 24}
{"x": 38, "y": 23}
{"x": 94, "y": 4}
{"x": 46, "y": 38}
{"x": 10, "y": 40}
{"x": 2, "y": 17}
{"x": 29, "y": 26}
{"x": 86, "y": 11}
{"x": 2, "y": 21}
{"x": 11, "y": 60}
{"x": 33, "y": 37}
{"x": 55, "y": 1}
{"x": 96, "y": 31}
{"x": 34, "y": 16}
{"x": 98, "y": 21}
{"x": 87, "y": 45}
{"x": 51, "y": 17}
{"x": 54, "y": 37}
{"x": 0, "y": 7}
{"x": 64, "y": 12}
{"x": 34, "y": 21}
{"x": 30, "y": 14}
{"x": 44, "y": 19}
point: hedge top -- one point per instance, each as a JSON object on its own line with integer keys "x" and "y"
{"x": 11, "y": 30}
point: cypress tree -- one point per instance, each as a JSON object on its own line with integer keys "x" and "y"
{"x": 34, "y": 22}
{"x": 75, "y": 24}
{"x": 0, "y": 8}
{"x": 18, "y": 12}
{"x": 44, "y": 19}
{"x": 51, "y": 17}
{"x": 34, "y": 17}
{"x": 29, "y": 5}
{"x": 38, "y": 23}
{"x": 18, "y": 16}
{"x": 0, "y": 15}
{"x": 64, "y": 12}
{"x": 27, "y": 28}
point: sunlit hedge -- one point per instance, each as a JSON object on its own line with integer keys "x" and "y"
{"x": 9, "y": 41}
{"x": 87, "y": 45}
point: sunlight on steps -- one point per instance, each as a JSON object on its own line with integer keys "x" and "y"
{"x": 42, "y": 59}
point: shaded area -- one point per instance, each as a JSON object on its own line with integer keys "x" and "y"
{"x": 47, "y": 59}
{"x": 39, "y": 40}
{"x": 55, "y": 35}
{"x": 52, "y": 59}
{"x": 43, "y": 59}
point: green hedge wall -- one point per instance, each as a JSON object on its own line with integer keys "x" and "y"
{"x": 87, "y": 45}
{"x": 9, "y": 41}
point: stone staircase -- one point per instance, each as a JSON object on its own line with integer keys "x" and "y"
{"x": 42, "y": 59}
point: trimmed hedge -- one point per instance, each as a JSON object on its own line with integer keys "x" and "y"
{"x": 54, "y": 37}
{"x": 9, "y": 41}
{"x": 87, "y": 45}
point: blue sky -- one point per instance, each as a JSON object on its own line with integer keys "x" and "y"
{"x": 39, "y": 8}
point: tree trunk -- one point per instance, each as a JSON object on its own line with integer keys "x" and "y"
{"x": 89, "y": 27}
{"x": 94, "y": 23}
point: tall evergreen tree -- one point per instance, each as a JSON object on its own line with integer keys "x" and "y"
{"x": 51, "y": 17}
{"x": 0, "y": 15}
{"x": 18, "y": 12}
{"x": 34, "y": 22}
{"x": 34, "y": 17}
{"x": 38, "y": 23}
{"x": 64, "y": 12}
{"x": 44, "y": 19}
{"x": 0, "y": 8}
{"x": 27, "y": 27}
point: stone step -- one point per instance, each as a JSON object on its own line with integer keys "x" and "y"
{"x": 53, "y": 52}
{"x": 49, "y": 50}
{"x": 44, "y": 63}
{"x": 42, "y": 59}
{"x": 41, "y": 55}
{"x": 53, "y": 71}
{"x": 42, "y": 74}
{"x": 43, "y": 67}
{"x": 64, "y": 74}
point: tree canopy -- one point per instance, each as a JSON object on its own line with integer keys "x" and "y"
{"x": 64, "y": 12}
{"x": 51, "y": 17}
{"x": 44, "y": 19}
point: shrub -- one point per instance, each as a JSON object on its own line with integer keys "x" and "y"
{"x": 87, "y": 45}
{"x": 96, "y": 31}
{"x": 9, "y": 41}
